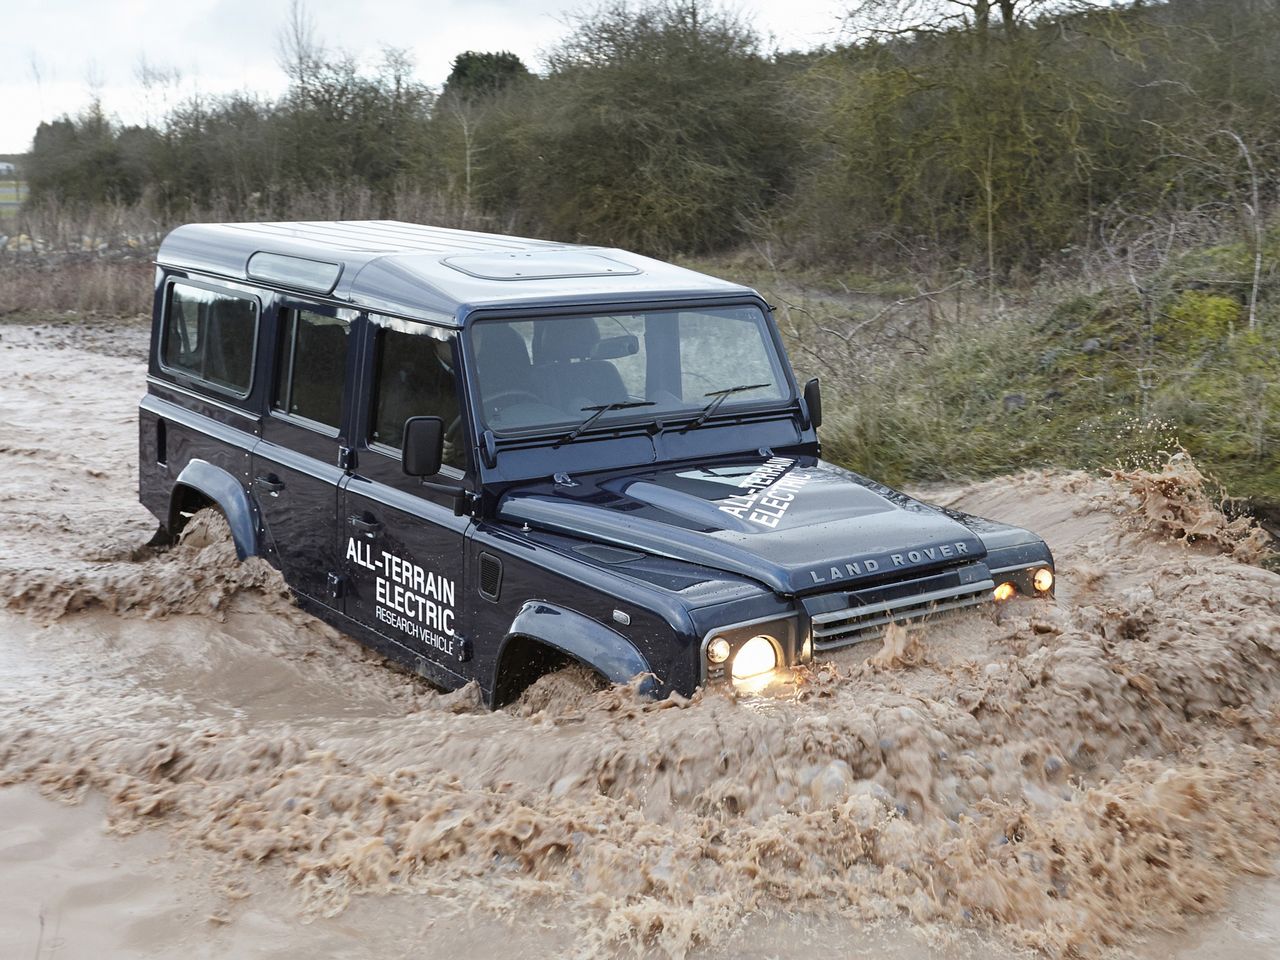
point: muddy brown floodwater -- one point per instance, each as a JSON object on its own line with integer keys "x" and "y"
{"x": 192, "y": 767}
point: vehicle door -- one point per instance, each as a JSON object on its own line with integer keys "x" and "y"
{"x": 300, "y": 462}
{"x": 403, "y": 546}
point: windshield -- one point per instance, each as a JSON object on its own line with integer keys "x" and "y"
{"x": 558, "y": 373}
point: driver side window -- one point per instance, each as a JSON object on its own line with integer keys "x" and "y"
{"x": 415, "y": 378}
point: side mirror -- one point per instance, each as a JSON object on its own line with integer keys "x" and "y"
{"x": 813, "y": 402}
{"x": 423, "y": 449}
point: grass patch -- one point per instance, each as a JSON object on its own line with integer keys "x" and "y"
{"x": 34, "y": 286}
{"x": 943, "y": 386}
{"x": 12, "y": 193}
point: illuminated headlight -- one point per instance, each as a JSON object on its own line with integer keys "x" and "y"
{"x": 758, "y": 655}
{"x": 750, "y": 654}
{"x": 1005, "y": 591}
{"x": 1043, "y": 580}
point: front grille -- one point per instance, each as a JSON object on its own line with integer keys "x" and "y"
{"x": 840, "y": 628}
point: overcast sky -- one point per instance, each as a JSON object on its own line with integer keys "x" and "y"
{"x": 53, "y": 53}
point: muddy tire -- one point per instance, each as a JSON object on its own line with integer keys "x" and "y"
{"x": 205, "y": 529}
{"x": 560, "y": 691}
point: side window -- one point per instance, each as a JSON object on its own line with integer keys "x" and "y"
{"x": 210, "y": 336}
{"x": 415, "y": 378}
{"x": 311, "y": 366}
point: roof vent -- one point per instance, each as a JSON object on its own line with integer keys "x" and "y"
{"x": 539, "y": 265}
{"x": 299, "y": 273}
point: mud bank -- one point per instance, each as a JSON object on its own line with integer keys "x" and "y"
{"x": 1067, "y": 777}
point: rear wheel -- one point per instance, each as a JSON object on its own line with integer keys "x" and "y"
{"x": 205, "y": 528}
{"x": 185, "y": 504}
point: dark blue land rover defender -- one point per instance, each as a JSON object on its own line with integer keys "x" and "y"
{"x": 487, "y": 457}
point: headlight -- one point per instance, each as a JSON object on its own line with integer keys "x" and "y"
{"x": 1005, "y": 591}
{"x": 748, "y": 653}
{"x": 1043, "y": 580}
{"x": 758, "y": 655}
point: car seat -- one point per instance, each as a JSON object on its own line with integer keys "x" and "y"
{"x": 565, "y": 370}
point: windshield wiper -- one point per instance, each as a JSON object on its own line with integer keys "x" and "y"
{"x": 600, "y": 411}
{"x": 720, "y": 397}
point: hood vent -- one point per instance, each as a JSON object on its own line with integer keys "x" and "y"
{"x": 607, "y": 554}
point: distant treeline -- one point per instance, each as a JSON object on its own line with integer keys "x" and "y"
{"x": 990, "y": 135}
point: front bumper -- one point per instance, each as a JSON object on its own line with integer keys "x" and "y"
{"x": 832, "y": 621}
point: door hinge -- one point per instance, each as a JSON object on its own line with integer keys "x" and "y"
{"x": 466, "y": 504}
{"x": 337, "y": 586}
{"x": 346, "y": 458}
{"x": 463, "y": 646}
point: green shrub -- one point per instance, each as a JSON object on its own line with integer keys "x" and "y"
{"x": 1196, "y": 319}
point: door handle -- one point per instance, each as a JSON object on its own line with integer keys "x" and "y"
{"x": 367, "y": 528}
{"x": 270, "y": 484}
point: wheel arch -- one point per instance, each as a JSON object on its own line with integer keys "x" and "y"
{"x": 203, "y": 484}
{"x": 544, "y": 636}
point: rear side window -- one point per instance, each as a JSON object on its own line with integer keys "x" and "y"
{"x": 311, "y": 366}
{"x": 210, "y": 335}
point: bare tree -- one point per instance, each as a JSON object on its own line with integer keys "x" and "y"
{"x": 1201, "y": 158}
{"x": 93, "y": 78}
{"x": 899, "y": 17}
{"x": 468, "y": 116}
{"x": 156, "y": 82}
{"x": 298, "y": 52}
{"x": 36, "y": 66}
{"x": 1254, "y": 210}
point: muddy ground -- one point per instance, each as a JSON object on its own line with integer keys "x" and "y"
{"x": 191, "y": 767}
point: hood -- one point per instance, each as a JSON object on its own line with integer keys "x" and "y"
{"x": 798, "y": 525}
